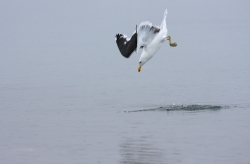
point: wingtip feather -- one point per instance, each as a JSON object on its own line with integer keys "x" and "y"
{"x": 166, "y": 12}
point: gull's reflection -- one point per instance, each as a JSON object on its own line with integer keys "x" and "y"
{"x": 140, "y": 152}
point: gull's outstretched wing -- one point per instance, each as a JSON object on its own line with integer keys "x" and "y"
{"x": 146, "y": 33}
{"x": 125, "y": 45}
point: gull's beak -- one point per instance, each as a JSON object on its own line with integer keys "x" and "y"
{"x": 139, "y": 68}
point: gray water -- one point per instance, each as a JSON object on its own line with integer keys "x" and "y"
{"x": 68, "y": 96}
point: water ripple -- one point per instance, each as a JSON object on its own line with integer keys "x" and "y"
{"x": 183, "y": 108}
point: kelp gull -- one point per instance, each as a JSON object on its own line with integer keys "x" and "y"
{"x": 147, "y": 37}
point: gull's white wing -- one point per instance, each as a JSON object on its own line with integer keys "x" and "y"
{"x": 145, "y": 34}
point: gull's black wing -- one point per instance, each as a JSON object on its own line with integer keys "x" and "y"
{"x": 125, "y": 45}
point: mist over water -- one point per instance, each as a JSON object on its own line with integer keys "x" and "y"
{"x": 68, "y": 96}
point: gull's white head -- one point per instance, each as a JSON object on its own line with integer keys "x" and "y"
{"x": 143, "y": 59}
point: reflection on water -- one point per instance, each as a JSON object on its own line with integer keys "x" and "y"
{"x": 140, "y": 151}
{"x": 184, "y": 108}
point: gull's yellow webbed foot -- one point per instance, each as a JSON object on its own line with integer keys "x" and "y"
{"x": 170, "y": 43}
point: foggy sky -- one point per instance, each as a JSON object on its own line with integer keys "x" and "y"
{"x": 26, "y": 25}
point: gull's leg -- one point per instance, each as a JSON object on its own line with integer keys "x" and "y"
{"x": 165, "y": 38}
{"x": 170, "y": 43}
